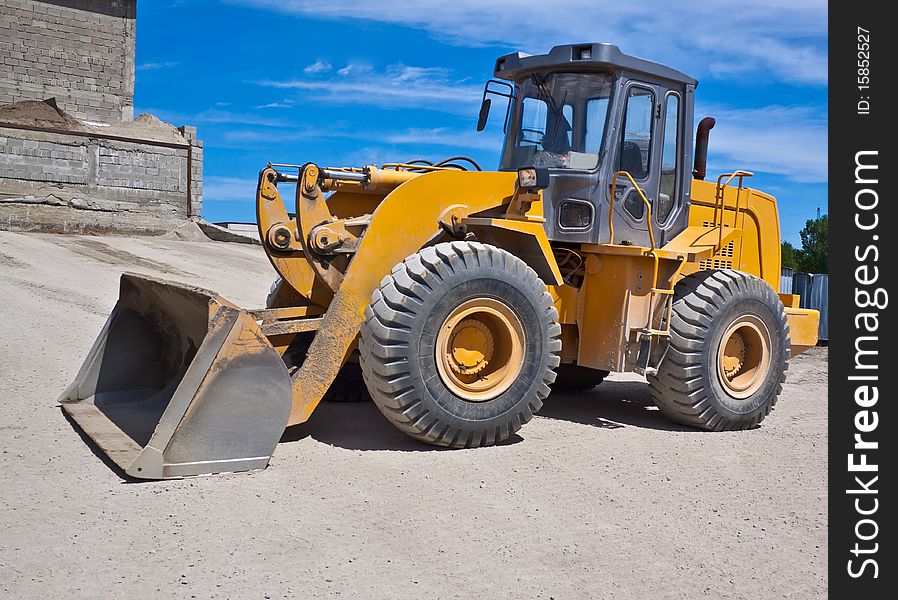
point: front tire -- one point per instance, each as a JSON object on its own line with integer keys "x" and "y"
{"x": 729, "y": 343}
{"x": 459, "y": 345}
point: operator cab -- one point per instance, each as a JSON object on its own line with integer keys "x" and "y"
{"x": 585, "y": 112}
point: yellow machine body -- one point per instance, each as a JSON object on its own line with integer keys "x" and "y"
{"x": 182, "y": 382}
{"x": 625, "y": 288}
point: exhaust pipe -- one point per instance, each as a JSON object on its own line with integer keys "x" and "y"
{"x": 700, "y": 166}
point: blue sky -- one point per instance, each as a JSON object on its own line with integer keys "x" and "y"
{"x": 355, "y": 83}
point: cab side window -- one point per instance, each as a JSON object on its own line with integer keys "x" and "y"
{"x": 668, "y": 187}
{"x": 636, "y": 143}
{"x": 596, "y": 110}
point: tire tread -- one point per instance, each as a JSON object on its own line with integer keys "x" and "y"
{"x": 384, "y": 341}
{"x": 679, "y": 389}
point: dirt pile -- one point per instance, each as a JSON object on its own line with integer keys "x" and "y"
{"x": 188, "y": 232}
{"x": 145, "y": 127}
{"x": 35, "y": 113}
{"x": 46, "y": 114}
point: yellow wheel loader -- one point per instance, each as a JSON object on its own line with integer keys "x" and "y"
{"x": 463, "y": 297}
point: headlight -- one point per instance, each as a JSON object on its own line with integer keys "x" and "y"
{"x": 533, "y": 177}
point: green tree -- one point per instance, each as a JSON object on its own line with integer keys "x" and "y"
{"x": 790, "y": 256}
{"x": 814, "y": 254}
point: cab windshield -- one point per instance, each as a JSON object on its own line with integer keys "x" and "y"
{"x": 559, "y": 121}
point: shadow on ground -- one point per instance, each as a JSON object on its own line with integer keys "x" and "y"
{"x": 612, "y": 405}
{"x": 360, "y": 426}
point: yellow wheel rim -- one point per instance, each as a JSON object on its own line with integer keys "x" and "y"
{"x": 743, "y": 359}
{"x": 480, "y": 349}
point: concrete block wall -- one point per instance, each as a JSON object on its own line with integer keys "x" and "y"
{"x": 79, "y": 51}
{"x": 137, "y": 167}
{"x": 59, "y": 160}
{"x": 95, "y": 182}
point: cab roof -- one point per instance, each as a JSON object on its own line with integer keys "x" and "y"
{"x": 584, "y": 57}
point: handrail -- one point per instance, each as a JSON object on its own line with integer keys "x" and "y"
{"x": 720, "y": 203}
{"x": 645, "y": 200}
{"x": 656, "y": 262}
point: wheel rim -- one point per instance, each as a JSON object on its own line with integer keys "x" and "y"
{"x": 743, "y": 359}
{"x": 480, "y": 349}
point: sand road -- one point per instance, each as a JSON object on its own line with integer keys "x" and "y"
{"x": 598, "y": 497}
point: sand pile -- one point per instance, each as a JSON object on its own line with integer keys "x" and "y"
{"x": 188, "y": 232}
{"x": 36, "y": 113}
{"x": 46, "y": 114}
{"x": 145, "y": 127}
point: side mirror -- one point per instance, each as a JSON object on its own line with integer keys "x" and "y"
{"x": 506, "y": 90}
{"x": 484, "y": 114}
{"x": 533, "y": 178}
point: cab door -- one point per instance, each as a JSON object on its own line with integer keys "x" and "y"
{"x": 670, "y": 209}
{"x": 638, "y": 153}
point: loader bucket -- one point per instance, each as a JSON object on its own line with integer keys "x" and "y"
{"x": 180, "y": 382}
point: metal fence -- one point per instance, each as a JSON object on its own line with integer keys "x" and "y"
{"x": 813, "y": 289}
{"x": 786, "y": 275}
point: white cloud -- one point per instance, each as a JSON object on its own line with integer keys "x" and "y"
{"x": 154, "y": 66}
{"x": 720, "y": 38}
{"x": 214, "y": 115}
{"x": 397, "y": 86}
{"x": 223, "y": 116}
{"x": 445, "y": 137}
{"x": 790, "y": 141}
{"x": 286, "y": 103}
{"x": 354, "y": 69}
{"x": 229, "y": 189}
{"x": 318, "y": 67}
{"x": 281, "y": 136}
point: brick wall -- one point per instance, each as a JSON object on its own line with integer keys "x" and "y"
{"x": 97, "y": 184}
{"x": 79, "y": 51}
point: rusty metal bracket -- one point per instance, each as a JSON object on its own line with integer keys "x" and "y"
{"x": 452, "y": 220}
{"x": 295, "y": 326}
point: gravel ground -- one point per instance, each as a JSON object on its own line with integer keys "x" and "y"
{"x": 598, "y": 497}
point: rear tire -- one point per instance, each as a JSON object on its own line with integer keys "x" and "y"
{"x": 574, "y": 378}
{"x": 729, "y": 343}
{"x": 459, "y": 345}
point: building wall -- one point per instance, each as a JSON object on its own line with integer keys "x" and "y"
{"x": 97, "y": 183}
{"x": 79, "y": 51}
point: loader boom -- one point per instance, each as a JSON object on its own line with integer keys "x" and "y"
{"x": 407, "y": 219}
